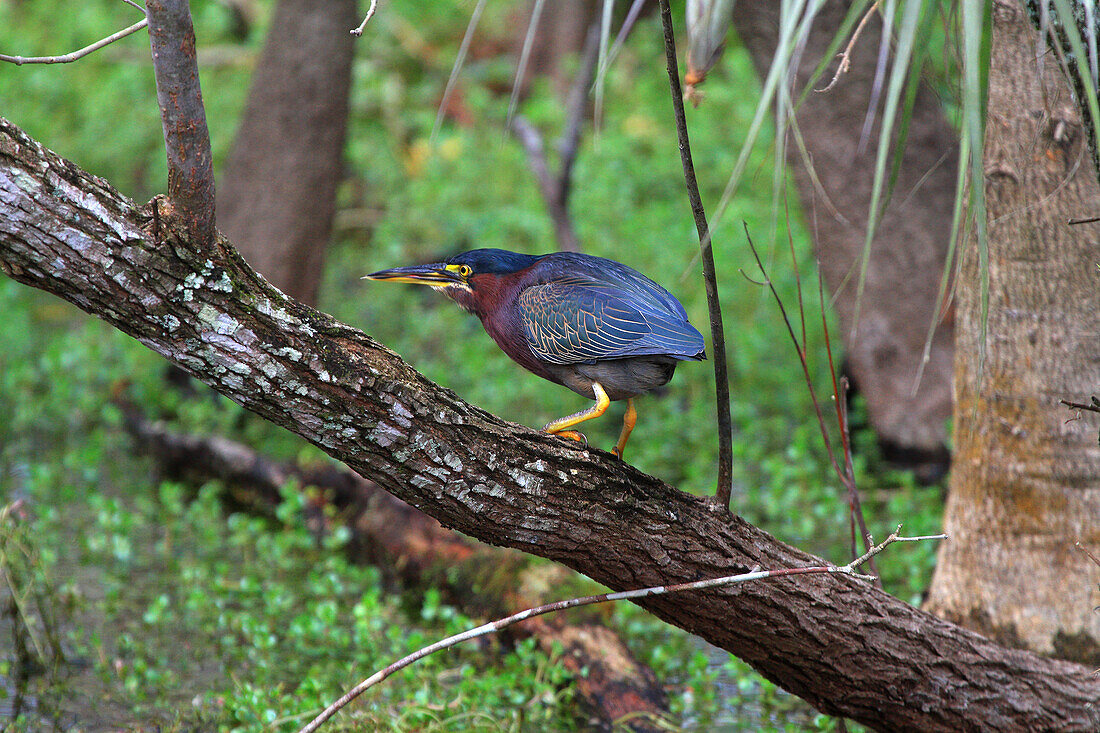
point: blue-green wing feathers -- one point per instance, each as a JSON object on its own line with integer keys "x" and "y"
{"x": 614, "y": 314}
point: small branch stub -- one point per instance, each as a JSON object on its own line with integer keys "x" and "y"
{"x": 846, "y": 56}
{"x": 370, "y": 14}
{"x": 183, "y": 117}
{"x": 1092, "y": 406}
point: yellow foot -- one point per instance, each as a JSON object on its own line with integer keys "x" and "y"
{"x": 629, "y": 419}
{"x": 561, "y": 425}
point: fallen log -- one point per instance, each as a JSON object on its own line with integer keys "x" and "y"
{"x": 415, "y": 551}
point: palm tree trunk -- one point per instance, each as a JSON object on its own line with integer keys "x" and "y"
{"x": 1026, "y": 482}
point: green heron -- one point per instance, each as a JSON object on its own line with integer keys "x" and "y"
{"x": 603, "y": 330}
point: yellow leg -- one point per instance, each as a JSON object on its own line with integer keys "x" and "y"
{"x": 629, "y": 419}
{"x": 561, "y": 425}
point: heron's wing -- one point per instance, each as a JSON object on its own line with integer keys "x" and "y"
{"x": 572, "y": 320}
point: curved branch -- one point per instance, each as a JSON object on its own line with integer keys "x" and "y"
{"x": 68, "y": 58}
{"x": 555, "y": 607}
{"x": 844, "y": 646}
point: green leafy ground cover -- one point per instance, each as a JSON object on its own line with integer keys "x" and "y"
{"x": 173, "y": 611}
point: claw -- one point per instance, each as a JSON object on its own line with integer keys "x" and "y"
{"x": 573, "y": 435}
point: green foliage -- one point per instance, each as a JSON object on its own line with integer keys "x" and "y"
{"x": 188, "y": 617}
{"x": 101, "y": 112}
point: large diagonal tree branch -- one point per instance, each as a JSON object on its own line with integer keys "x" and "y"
{"x": 844, "y": 646}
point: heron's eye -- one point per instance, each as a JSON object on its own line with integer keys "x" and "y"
{"x": 465, "y": 270}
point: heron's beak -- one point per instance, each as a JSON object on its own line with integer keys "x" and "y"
{"x": 437, "y": 275}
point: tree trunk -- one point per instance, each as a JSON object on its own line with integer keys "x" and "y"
{"x": 907, "y": 258}
{"x": 1026, "y": 482}
{"x": 277, "y": 195}
{"x": 838, "y": 642}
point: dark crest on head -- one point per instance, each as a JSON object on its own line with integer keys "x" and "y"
{"x": 493, "y": 261}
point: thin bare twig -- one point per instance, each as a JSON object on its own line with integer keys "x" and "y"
{"x": 846, "y": 56}
{"x": 370, "y": 14}
{"x": 840, "y": 394}
{"x": 759, "y": 283}
{"x": 1093, "y": 406}
{"x": 499, "y": 624}
{"x": 1087, "y": 220}
{"x": 68, "y": 58}
{"x": 717, "y": 331}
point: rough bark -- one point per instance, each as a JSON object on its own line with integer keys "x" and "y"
{"x": 907, "y": 258}
{"x": 414, "y": 550}
{"x": 1026, "y": 483}
{"x": 846, "y": 647}
{"x": 277, "y": 195}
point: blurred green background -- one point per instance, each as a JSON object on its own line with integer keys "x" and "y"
{"x": 173, "y": 612}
